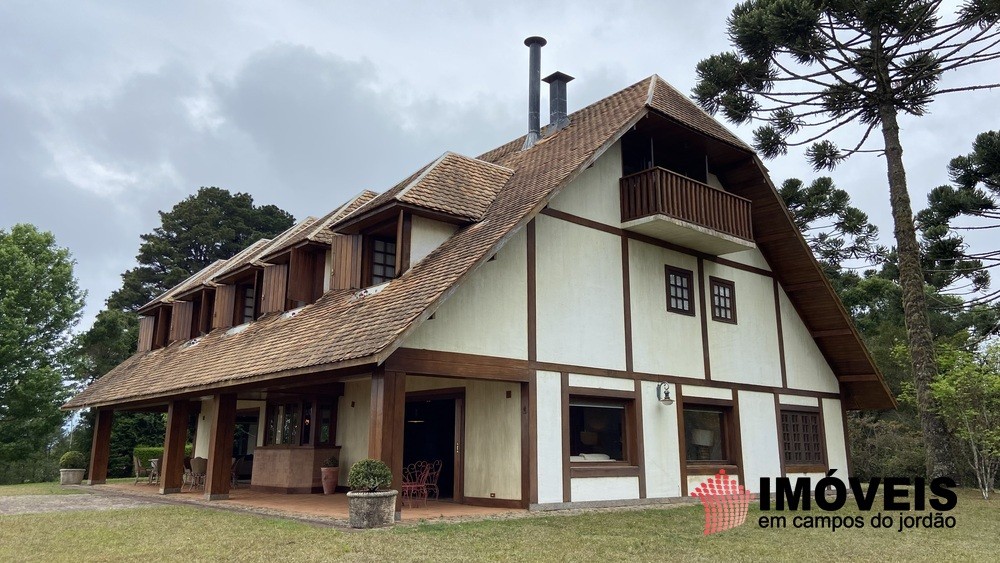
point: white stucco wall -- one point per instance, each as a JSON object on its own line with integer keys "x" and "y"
{"x": 758, "y": 432}
{"x": 751, "y": 257}
{"x": 798, "y": 400}
{"x": 662, "y": 342}
{"x": 426, "y": 235}
{"x": 580, "y": 300}
{"x": 594, "y": 194}
{"x": 804, "y": 363}
{"x": 548, "y": 399}
{"x": 604, "y": 488}
{"x": 693, "y": 481}
{"x": 836, "y": 448}
{"x": 746, "y": 352}
{"x": 601, "y": 382}
{"x": 353, "y": 413}
{"x": 488, "y": 314}
{"x": 706, "y": 392}
{"x": 204, "y": 432}
{"x": 660, "y": 445}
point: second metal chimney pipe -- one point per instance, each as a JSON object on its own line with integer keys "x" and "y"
{"x": 535, "y": 45}
{"x": 558, "y": 115}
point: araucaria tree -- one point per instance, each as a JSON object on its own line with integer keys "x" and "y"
{"x": 806, "y": 68}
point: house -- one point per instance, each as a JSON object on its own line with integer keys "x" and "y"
{"x": 606, "y": 310}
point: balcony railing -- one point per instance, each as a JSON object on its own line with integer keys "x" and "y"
{"x": 659, "y": 191}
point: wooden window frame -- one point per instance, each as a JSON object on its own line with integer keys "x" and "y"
{"x": 808, "y": 466}
{"x": 314, "y": 402}
{"x": 689, "y": 276}
{"x": 730, "y": 437}
{"x": 714, "y": 282}
{"x": 627, "y": 467}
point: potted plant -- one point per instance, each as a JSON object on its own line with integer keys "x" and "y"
{"x": 71, "y": 468}
{"x": 369, "y": 504}
{"x": 330, "y": 472}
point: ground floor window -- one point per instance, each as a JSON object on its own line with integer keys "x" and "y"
{"x": 708, "y": 435}
{"x": 598, "y": 430}
{"x": 801, "y": 438}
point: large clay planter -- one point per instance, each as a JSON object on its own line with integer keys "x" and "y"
{"x": 371, "y": 510}
{"x": 71, "y": 476}
{"x": 331, "y": 476}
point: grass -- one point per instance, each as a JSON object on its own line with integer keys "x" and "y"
{"x": 35, "y": 489}
{"x": 676, "y": 534}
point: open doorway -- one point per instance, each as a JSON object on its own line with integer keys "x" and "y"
{"x": 433, "y": 430}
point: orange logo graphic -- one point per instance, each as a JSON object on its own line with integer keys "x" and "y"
{"x": 725, "y": 502}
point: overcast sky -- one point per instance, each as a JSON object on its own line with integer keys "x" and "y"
{"x": 111, "y": 111}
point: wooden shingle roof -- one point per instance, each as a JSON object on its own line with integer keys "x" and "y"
{"x": 341, "y": 329}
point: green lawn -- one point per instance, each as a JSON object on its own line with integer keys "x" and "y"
{"x": 36, "y": 489}
{"x": 181, "y": 532}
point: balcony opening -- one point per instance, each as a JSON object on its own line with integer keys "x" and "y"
{"x": 642, "y": 150}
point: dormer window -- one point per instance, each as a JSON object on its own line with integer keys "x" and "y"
{"x": 383, "y": 260}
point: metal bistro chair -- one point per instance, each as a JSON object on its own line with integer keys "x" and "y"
{"x": 139, "y": 469}
{"x": 415, "y": 482}
{"x": 432, "y": 479}
{"x": 154, "y": 471}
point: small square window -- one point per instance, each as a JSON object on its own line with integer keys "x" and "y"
{"x": 706, "y": 433}
{"x": 680, "y": 291}
{"x": 723, "y": 294}
{"x": 801, "y": 437}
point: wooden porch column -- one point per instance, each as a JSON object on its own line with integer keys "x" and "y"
{"x": 172, "y": 464}
{"x": 385, "y": 430}
{"x": 100, "y": 448}
{"x": 220, "y": 447}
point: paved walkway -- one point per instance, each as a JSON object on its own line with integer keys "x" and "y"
{"x": 36, "y": 504}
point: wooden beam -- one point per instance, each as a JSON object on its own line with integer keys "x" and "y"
{"x": 833, "y": 332}
{"x": 385, "y": 427}
{"x": 220, "y": 447}
{"x": 172, "y": 463}
{"x": 100, "y": 448}
{"x": 857, "y": 378}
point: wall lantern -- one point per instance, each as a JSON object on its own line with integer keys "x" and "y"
{"x": 663, "y": 394}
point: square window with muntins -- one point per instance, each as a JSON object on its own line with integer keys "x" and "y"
{"x": 723, "y": 296}
{"x": 680, "y": 290}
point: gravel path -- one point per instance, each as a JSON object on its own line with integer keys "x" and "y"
{"x": 35, "y": 504}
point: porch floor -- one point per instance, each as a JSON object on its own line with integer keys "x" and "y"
{"x": 307, "y": 506}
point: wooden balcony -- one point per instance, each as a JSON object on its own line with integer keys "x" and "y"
{"x": 665, "y": 205}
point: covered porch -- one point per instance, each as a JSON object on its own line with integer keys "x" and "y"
{"x": 277, "y": 434}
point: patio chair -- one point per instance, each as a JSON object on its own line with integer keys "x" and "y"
{"x": 139, "y": 469}
{"x": 235, "y": 471}
{"x": 154, "y": 471}
{"x": 186, "y": 477}
{"x": 432, "y": 479}
{"x": 199, "y": 467}
{"x": 415, "y": 482}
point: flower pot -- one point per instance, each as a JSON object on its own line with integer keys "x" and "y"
{"x": 331, "y": 476}
{"x": 71, "y": 476}
{"x": 371, "y": 510}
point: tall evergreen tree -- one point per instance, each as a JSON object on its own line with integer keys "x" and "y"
{"x": 809, "y": 67}
{"x": 40, "y": 301}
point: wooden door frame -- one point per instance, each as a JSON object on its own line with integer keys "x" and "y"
{"x": 458, "y": 394}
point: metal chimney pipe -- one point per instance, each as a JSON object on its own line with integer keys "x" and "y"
{"x": 535, "y": 45}
{"x": 558, "y": 117}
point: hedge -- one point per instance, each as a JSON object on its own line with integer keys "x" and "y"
{"x": 146, "y": 453}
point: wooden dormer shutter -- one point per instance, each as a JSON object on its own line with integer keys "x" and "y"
{"x": 275, "y": 284}
{"x": 305, "y": 275}
{"x": 346, "y": 260}
{"x": 180, "y": 321}
{"x": 225, "y": 300}
{"x": 146, "y": 325}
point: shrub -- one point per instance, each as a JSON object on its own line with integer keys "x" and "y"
{"x": 146, "y": 453}
{"x": 369, "y": 475}
{"x": 332, "y": 461}
{"x": 72, "y": 460}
